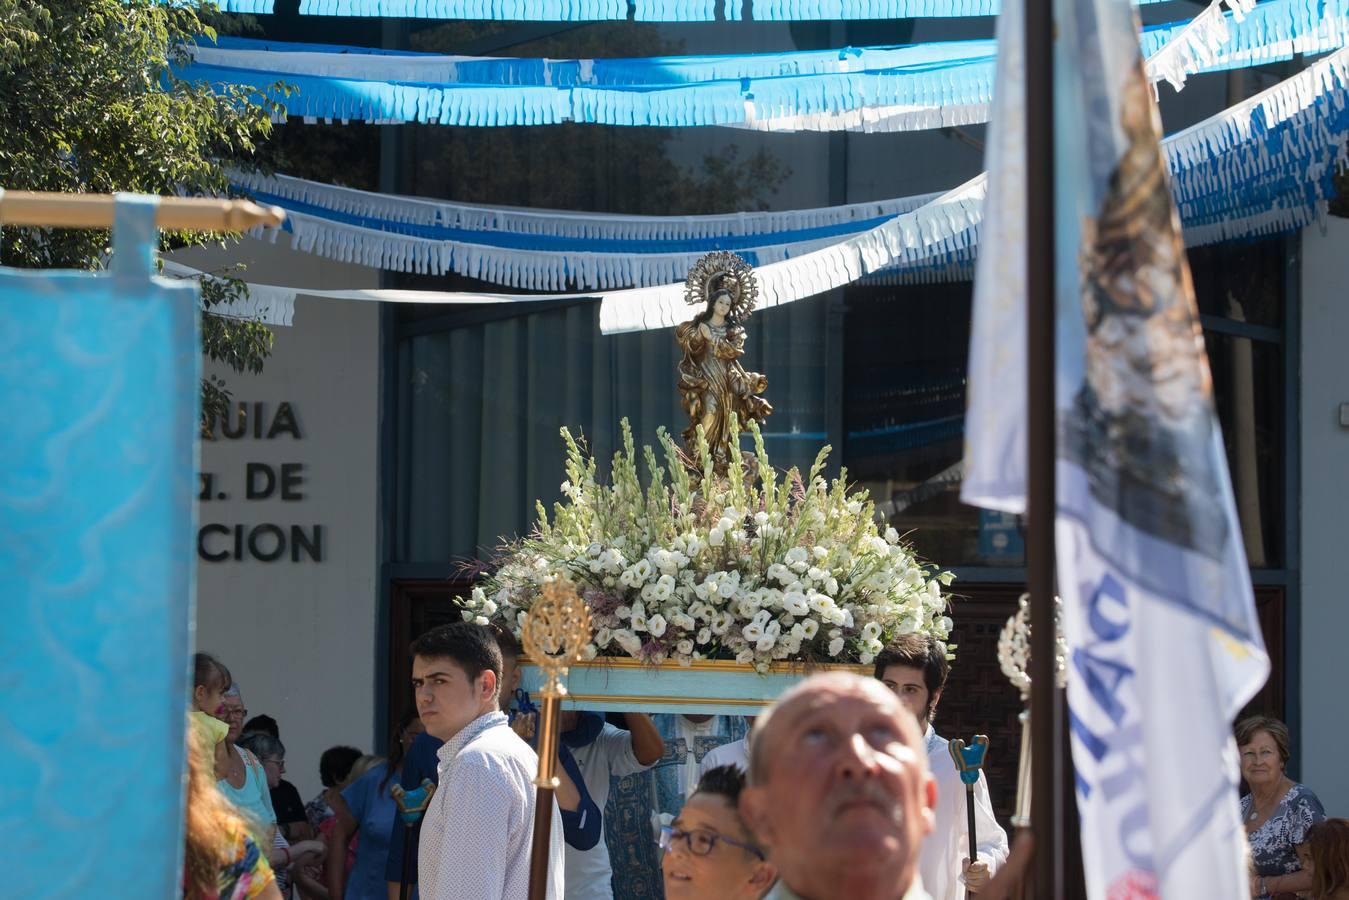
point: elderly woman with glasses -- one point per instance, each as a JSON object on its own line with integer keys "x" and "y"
{"x": 271, "y": 755}
{"x": 1277, "y": 812}
{"x": 709, "y": 853}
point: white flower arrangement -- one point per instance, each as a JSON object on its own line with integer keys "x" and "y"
{"x": 759, "y": 570}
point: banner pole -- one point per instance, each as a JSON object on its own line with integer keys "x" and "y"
{"x": 1046, "y": 754}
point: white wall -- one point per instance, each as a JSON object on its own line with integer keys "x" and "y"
{"x": 1325, "y": 506}
{"x": 300, "y": 637}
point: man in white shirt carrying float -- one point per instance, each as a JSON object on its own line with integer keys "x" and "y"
{"x": 914, "y": 667}
{"x": 475, "y": 838}
{"x": 603, "y": 751}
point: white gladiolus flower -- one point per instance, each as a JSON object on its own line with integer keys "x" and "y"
{"x": 809, "y": 627}
{"x": 630, "y": 642}
{"x": 642, "y": 568}
{"x": 796, "y": 559}
{"x": 866, "y": 658}
{"x": 488, "y": 607}
{"x": 798, "y": 632}
{"x": 891, "y": 536}
{"x": 726, "y": 588}
{"x": 603, "y": 636}
{"x": 815, "y": 573}
{"x": 639, "y": 622}
{"x": 871, "y": 631}
{"x": 656, "y": 625}
{"x": 726, "y": 524}
{"x": 704, "y": 635}
{"x": 753, "y": 631}
{"x": 716, "y": 537}
{"x": 761, "y": 519}
{"x": 875, "y": 647}
{"x": 683, "y": 621}
{"x": 820, "y": 552}
{"x": 480, "y": 620}
{"x": 780, "y": 573}
{"x": 836, "y": 646}
{"x": 722, "y": 622}
{"x": 664, "y": 588}
{"x": 879, "y": 545}
{"x": 479, "y": 596}
{"x": 684, "y": 647}
{"x": 765, "y": 643}
{"x": 745, "y": 656}
{"x": 649, "y": 592}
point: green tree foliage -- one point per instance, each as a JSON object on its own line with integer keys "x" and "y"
{"x": 88, "y": 104}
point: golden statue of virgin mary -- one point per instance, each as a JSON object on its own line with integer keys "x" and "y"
{"x": 713, "y": 385}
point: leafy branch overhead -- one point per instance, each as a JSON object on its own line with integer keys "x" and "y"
{"x": 90, "y": 106}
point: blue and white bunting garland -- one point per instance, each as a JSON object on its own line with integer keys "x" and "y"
{"x": 871, "y": 89}
{"x": 557, "y": 223}
{"x": 642, "y": 10}
{"x": 1263, "y": 166}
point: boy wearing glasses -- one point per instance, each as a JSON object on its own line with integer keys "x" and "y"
{"x": 709, "y": 854}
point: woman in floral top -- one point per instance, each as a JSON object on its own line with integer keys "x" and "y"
{"x": 1277, "y": 812}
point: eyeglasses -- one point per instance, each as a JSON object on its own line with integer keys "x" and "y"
{"x": 700, "y": 841}
{"x": 277, "y": 761}
{"x": 235, "y": 713}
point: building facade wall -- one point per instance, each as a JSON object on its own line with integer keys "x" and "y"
{"x": 299, "y": 632}
{"x": 1325, "y": 502}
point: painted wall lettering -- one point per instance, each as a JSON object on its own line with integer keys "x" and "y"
{"x": 286, "y": 482}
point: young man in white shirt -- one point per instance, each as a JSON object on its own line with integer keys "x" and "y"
{"x": 476, "y": 834}
{"x": 914, "y": 667}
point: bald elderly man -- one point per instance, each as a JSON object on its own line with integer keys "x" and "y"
{"x": 840, "y": 794}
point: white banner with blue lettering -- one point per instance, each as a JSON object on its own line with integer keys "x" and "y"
{"x": 99, "y": 383}
{"x": 1164, "y": 645}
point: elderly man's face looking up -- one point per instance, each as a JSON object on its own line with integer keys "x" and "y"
{"x": 841, "y": 794}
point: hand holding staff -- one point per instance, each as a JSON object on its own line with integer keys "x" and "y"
{"x": 969, "y": 760}
{"x": 555, "y": 632}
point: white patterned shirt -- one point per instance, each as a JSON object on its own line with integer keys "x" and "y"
{"x": 475, "y": 839}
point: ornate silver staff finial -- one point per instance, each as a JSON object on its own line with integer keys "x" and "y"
{"x": 1014, "y": 658}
